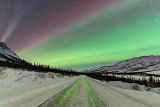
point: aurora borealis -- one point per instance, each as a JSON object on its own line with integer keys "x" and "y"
{"x": 80, "y": 34}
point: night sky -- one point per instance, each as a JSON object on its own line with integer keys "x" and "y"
{"x": 80, "y": 34}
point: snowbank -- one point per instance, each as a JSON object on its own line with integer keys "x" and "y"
{"x": 29, "y": 89}
{"x": 133, "y": 86}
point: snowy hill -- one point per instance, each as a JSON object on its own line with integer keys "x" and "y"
{"x": 6, "y": 53}
{"x": 144, "y": 63}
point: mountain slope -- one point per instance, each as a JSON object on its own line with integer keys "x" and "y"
{"x": 130, "y": 65}
{"x": 7, "y": 54}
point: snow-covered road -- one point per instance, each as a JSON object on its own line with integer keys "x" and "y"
{"x": 92, "y": 93}
{"x": 116, "y": 97}
{"x": 30, "y": 89}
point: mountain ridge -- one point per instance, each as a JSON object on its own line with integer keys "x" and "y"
{"x": 7, "y": 54}
{"x": 132, "y": 64}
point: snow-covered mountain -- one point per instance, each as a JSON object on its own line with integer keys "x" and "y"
{"x": 6, "y": 53}
{"x": 143, "y": 63}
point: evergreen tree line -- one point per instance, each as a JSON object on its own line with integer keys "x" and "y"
{"x": 151, "y": 82}
{"x": 36, "y": 67}
{"x": 24, "y": 65}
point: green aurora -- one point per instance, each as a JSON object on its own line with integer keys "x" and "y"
{"x": 116, "y": 32}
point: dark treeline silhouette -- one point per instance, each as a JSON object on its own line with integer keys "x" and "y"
{"x": 151, "y": 82}
{"x": 24, "y": 65}
{"x": 36, "y": 67}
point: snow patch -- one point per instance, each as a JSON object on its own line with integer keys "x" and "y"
{"x": 133, "y": 86}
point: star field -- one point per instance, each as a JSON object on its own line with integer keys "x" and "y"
{"x": 80, "y": 34}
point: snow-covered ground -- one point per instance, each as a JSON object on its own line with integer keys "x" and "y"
{"x": 134, "y": 76}
{"x": 94, "y": 93}
{"x": 29, "y": 89}
{"x": 118, "y": 97}
{"x": 133, "y": 86}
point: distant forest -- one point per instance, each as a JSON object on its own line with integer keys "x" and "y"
{"x": 151, "y": 82}
{"x": 24, "y": 65}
